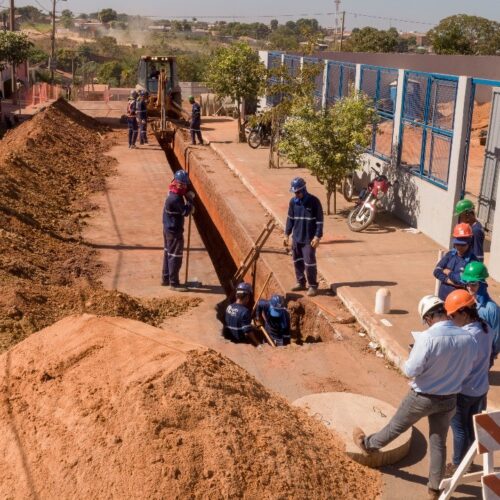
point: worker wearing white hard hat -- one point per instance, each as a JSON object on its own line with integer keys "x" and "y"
{"x": 440, "y": 360}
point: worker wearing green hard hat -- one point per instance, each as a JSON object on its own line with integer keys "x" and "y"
{"x": 465, "y": 211}
{"x": 474, "y": 277}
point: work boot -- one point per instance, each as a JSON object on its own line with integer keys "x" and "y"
{"x": 433, "y": 494}
{"x": 450, "y": 470}
{"x": 358, "y": 436}
{"x": 312, "y": 292}
{"x": 165, "y": 282}
{"x": 178, "y": 288}
{"x": 299, "y": 287}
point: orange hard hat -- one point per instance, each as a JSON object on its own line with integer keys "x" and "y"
{"x": 457, "y": 300}
{"x": 462, "y": 230}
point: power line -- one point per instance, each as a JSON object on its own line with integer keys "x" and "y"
{"x": 356, "y": 14}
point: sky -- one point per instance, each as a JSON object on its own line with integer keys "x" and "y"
{"x": 407, "y": 15}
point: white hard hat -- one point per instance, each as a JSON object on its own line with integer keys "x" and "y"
{"x": 427, "y": 303}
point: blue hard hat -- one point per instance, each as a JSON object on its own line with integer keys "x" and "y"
{"x": 244, "y": 288}
{"x": 277, "y": 304}
{"x": 181, "y": 176}
{"x": 297, "y": 185}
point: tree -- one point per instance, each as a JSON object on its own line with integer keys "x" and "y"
{"x": 110, "y": 73}
{"x": 370, "y": 39}
{"x": 463, "y": 34}
{"x": 191, "y": 67}
{"x": 15, "y": 48}
{"x": 236, "y": 72}
{"x": 274, "y": 24}
{"x": 330, "y": 143}
{"x": 30, "y": 14}
{"x": 67, "y": 18}
{"x": 107, "y": 15}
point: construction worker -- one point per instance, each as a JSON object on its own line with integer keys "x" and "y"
{"x": 474, "y": 277}
{"x": 195, "y": 124}
{"x": 132, "y": 119}
{"x": 461, "y": 308}
{"x": 465, "y": 211}
{"x": 275, "y": 317}
{"x": 305, "y": 224}
{"x": 179, "y": 204}
{"x": 441, "y": 359}
{"x": 238, "y": 318}
{"x": 142, "y": 116}
{"x": 448, "y": 269}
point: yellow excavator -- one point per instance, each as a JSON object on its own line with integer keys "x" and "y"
{"x": 158, "y": 76}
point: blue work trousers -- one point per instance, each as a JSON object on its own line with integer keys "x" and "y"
{"x": 462, "y": 424}
{"x": 195, "y": 129}
{"x": 132, "y": 131}
{"x": 304, "y": 262}
{"x": 143, "y": 131}
{"x": 172, "y": 257}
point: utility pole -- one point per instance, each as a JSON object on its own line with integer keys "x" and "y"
{"x": 12, "y": 22}
{"x": 342, "y": 31}
{"x": 53, "y": 44}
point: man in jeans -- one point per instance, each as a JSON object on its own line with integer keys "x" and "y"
{"x": 441, "y": 359}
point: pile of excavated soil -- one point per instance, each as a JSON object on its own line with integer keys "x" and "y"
{"x": 49, "y": 166}
{"x": 112, "y": 408}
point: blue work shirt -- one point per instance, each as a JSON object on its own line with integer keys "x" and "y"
{"x": 305, "y": 219}
{"x": 195, "y": 115}
{"x": 455, "y": 263}
{"x": 277, "y": 326}
{"x": 174, "y": 212}
{"x": 490, "y": 312}
{"x": 476, "y": 383}
{"x": 441, "y": 359}
{"x": 478, "y": 240}
{"x": 142, "y": 109}
{"x": 238, "y": 322}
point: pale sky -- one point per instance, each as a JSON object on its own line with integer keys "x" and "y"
{"x": 427, "y": 12}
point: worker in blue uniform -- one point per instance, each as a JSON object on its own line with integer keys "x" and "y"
{"x": 238, "y": 317}
{"x": 195, "y": 123}
{"x": 466, "y": 214}
{"x": 132, "y": 119}
{"x": 474, "y": 277}
{"x": 449, "y": 268}
{"x": 142, "y": 116}
{"x": 178, "y": 205}
{"x": 275, "y": 317}
{"x": 305, "y": 224}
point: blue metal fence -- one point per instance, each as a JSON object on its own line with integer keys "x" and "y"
{"x": 273, "y": 62}
{"x": 318, "y": 79}
{"x": 339, "y": 80}
{"x": 380, "y": 84}
{"x": 427, "y": 124}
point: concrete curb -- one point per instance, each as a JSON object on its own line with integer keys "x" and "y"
{"x": 392, "y": 353}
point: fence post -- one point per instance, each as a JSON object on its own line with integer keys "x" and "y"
{"x": 325, "y": 85}
{"x": 398, "y": 112}
{"x": 357, "y": 81}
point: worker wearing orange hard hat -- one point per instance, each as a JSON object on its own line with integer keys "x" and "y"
{"x": 452, "y": 264}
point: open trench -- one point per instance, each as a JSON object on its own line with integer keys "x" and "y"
{"x": 227, "y": 243}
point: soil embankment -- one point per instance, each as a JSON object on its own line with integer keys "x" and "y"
{"x": 108, "y": 407}
{"x": 49, "y": 167}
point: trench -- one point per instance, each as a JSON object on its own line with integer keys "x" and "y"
{"x": 309, "y": 323}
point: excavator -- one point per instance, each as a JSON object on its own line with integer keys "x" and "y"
{"x": 158, "y": 76}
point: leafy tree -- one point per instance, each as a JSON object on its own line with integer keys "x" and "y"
{"x": 107, "y": 46}
{"x": 67, "y": 18}
{"x": 463, "y": 34}
{"x": 330, "y": 143}
{"x": 370, "y": 39}
{"x": 37, "y": 55}
{"x": 84, "y": 51}
{"x": 15, "y": 48}
{"x": 30, "y": 14}
{"x": 110, "y": 73}
{"x": 107, "y": 15}
{"x": 236, "y": 72}
{"x": 274, "y": 24}
{"x": 191, "y": 67}
{"x": 83, "y": 16}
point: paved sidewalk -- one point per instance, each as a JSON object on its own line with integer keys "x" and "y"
{"x": 355, "y": 264}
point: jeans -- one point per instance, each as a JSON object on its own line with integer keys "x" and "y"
{"x": 195, "y": 130}
{"x": 439, "y": 410}
{"x": 462, "y": 424}
{"x": 172, "y": 258}
{"x": 304, "y": 262}
{"x": 132, "y": 131}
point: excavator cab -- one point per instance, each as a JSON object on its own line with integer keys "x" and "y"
{"x": 158, "y": 76}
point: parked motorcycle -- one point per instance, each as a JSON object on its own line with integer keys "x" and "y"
{"x": 363, "y": 214}
{"x": 259, "y": 134}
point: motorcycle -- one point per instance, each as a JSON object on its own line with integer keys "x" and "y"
{"x": 259, "y": 134}
{"x": 363, "y": 214}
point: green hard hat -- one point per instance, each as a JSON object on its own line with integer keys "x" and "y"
{"x": 463, "y": 206}
{"x": 473, "y": 272}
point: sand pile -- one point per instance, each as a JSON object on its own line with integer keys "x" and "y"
{"x": 49, "y": 166}
{"x": 112, "y": 408}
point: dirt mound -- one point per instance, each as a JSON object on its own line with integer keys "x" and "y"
{"x": 112, "y": 408}
{"x": 49, "y": 166}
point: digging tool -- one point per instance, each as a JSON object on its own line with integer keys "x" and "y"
{"x": 261, "y": 292}
{"x": 267, "y": 336}
{"x": 187, "y": 249}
